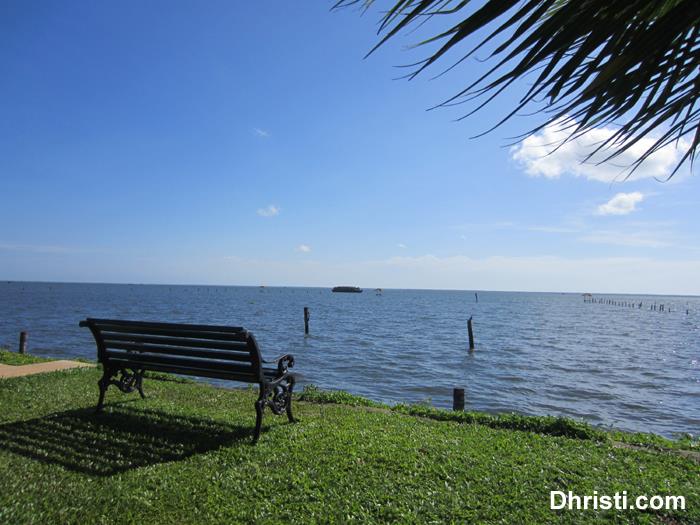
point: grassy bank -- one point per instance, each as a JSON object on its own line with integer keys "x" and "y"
{"x": 14, "y": 358}
{"x": 183, "y": 455}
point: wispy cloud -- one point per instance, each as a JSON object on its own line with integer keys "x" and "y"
{"x": 269, "y": 211}
{"x": 536, "y": 273}
{"x": 304, "y": 248}
{"x": 551, "y": 229}
{"x": 509, "y": 225}
{"x": 544, "y": 155}
{"x": 261, "y": 133}
{"x": 621, "y": 204}
{"x": 630, "y": 239}
{"x": 634, "y": 234}
{"x": 401, "y": 245}
{"x": 33, "y": 248}
{"x": 471, "y": 227}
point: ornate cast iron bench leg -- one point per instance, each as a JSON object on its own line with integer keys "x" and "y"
{"x": 259, "y": 408}
{"x": 278, "y": 396}
{"x": 290, "y": 388}
{"x": 139, "y": 383}
{"x": 127, "y": 383}
{"x": 104, "y": 383}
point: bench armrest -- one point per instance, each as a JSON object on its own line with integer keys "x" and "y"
{"x": 283, "y": 362}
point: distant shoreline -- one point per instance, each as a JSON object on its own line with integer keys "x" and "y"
{"x": 329, "y": 287}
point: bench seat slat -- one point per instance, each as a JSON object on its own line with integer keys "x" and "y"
{"x": 174, "y": 326}
{"x": 224, "y": 355}
{"x": 238, "y": 346}
{"x": 137, "y": 358}
{"x": 170, "y": 332}
{"x": 199, "y": 372}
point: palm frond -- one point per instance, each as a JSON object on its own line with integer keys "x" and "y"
{"x": 632, "y": 63}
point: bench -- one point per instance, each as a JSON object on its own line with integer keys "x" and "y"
{"x": 127, "y": 349}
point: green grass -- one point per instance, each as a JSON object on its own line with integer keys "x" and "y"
{"x": 554, "y": 426}
{"x": 14, "y": 358}
{"x": 183, "y": 455}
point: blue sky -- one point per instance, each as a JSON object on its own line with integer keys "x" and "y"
{"x": 250, "y": 143}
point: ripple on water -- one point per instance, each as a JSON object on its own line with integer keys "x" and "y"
{"x": 536, "y": 353}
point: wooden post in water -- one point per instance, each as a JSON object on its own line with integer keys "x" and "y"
{"x": 457, "y": 399}
{"x": 23, "y": 342}
{"x": 471, "y": 333}
{"x": 307, "y": 315}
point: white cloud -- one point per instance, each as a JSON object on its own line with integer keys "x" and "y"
{"x": 304, "y": 248}
{"x": 631, "y": 239}
{"x": 539, "y": 156}
{"x": 532, "y": 273}
{"x": 34, "y": 248}
{"x": 621, "y": 204}
{"x": 261, "y": 133}
{"x": 401, "y": 245}
{"x": 269, "y": 211}
{"x": 536, "y": 273}
{"x": 551, "y": 229}
{"x": 516, "y": 227}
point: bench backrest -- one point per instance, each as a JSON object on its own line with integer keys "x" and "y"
{"x": 223, "y": 352}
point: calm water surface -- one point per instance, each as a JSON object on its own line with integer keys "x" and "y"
{"x": 537, "y": 353}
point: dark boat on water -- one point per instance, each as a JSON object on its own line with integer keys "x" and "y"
{"x": 347, "y": 289}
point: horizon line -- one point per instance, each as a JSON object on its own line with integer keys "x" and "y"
{"x": 372, "y": 288}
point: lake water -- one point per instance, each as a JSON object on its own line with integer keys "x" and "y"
{"x": 536, "y": 353}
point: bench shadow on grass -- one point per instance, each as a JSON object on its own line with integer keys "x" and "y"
{"x": 117, "y": 440}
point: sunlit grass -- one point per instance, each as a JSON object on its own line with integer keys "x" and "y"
{"x": 183, "y": 455}
{"x": 15, "y": 358}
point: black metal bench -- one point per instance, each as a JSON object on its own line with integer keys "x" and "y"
{"x": 129, "y": 348}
